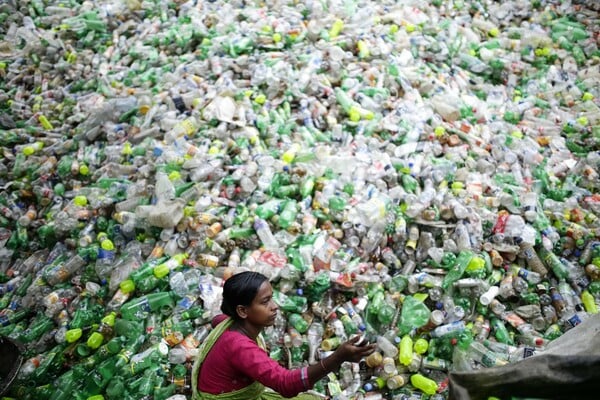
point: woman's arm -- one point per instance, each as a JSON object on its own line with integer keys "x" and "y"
{"x": 249, "y": 359}
{"x": 348, "y": 351}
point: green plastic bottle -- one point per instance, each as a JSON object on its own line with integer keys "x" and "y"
{"x": 298, "y": 322}
{"x": 406, "y": 350}
{"x": 426, "y": 385}
{"x": 141, "y": 307}
{"x": 458, "y": 269}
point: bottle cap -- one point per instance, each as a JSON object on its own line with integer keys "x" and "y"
{"x": 160, "y": 271}
{"x": 72, "y": 335}
{"x": 127, "y": 286}
{"x": 109, "y": 319}
{"x": 95, "y": 340}
{"x": 107, "y": 245}
{"x": 80, "y": 201}
{"x": 84, "y": 169}
{"x": 162, "y": 349}
{"x": 420, "y": 346}
{"x": 82, "y": 350}
{"x": 476, "y": 264}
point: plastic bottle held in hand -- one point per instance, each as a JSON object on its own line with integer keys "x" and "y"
{"x": 315, "y": 336}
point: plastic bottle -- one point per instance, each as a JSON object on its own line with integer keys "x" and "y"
{"x": 426, "y": 385}
{"x": 63, "y": 271}
{"x": 162, "y": 302}
{"x": 406, "y": 350}
{"x": 388, "y": 348}
{"x": 457, "y": 270}
{"x": 533, "y": 260}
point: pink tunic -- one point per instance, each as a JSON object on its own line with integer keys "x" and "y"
{"x": 236, "y": 361}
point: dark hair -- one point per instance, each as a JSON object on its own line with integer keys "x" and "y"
{"x": 240, "y": 290}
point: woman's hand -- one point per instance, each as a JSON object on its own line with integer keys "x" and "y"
{"x": 353, "y": 350}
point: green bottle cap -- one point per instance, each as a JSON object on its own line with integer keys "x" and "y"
{"x": 84, "y": 170}
{"x": 113, "y": 346}
{"x": 420, "y": 346}
{"x": 107, "y": 245}
{"x": 127, "y": 286}
{"x": 109, "y": 319}
{"x": 82, "y": 350}
{"x": 475, "y": 264}
{"x": 72, "y": 335}
{"x": 420, "y": 296}
{"x": 95, "y": 340}
{"x": 160, "y": 271}
{"x": 80, "y": 201}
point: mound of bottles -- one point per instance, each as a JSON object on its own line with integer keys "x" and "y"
{"x": 424, "y": 173}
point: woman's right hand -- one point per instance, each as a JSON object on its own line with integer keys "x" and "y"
{"x": 353, "y": 351}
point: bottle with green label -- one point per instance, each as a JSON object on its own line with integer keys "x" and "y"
{"x": 139, "y": 308}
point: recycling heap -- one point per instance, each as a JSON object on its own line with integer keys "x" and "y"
{"x": 423, "y": 173}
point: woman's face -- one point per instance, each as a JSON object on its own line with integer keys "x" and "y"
{"x": 263, "y": 310}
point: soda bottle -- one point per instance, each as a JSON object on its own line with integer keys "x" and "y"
{"x": 140, "y": 307}
{"x": 147, "y": 359}
{"x": 458, "y": 269}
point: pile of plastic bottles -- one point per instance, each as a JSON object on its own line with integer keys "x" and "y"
{"x": 422, "y": 172}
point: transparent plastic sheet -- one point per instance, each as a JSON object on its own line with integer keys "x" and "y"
{"x": 569, "y": 368}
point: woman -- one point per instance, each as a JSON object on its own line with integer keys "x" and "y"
{"x": 232, "y": 363}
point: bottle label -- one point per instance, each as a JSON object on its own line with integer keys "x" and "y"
{"x": 144, "y": 306}
{"x": 514, "y": 320}
{"x": 488, "y": 360}
{"x": 500, "y": 223}
{"x": 574, "y": 320}
{"x": 172, "y": 337}
{"x": 106, "y": 254}
{"x": 273, "y": 259}
{"x": 528, "y": 351}
{"x": 523, "y": 273}
{"x": 435, "y": 363}
{"x": 528, "y": 253}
